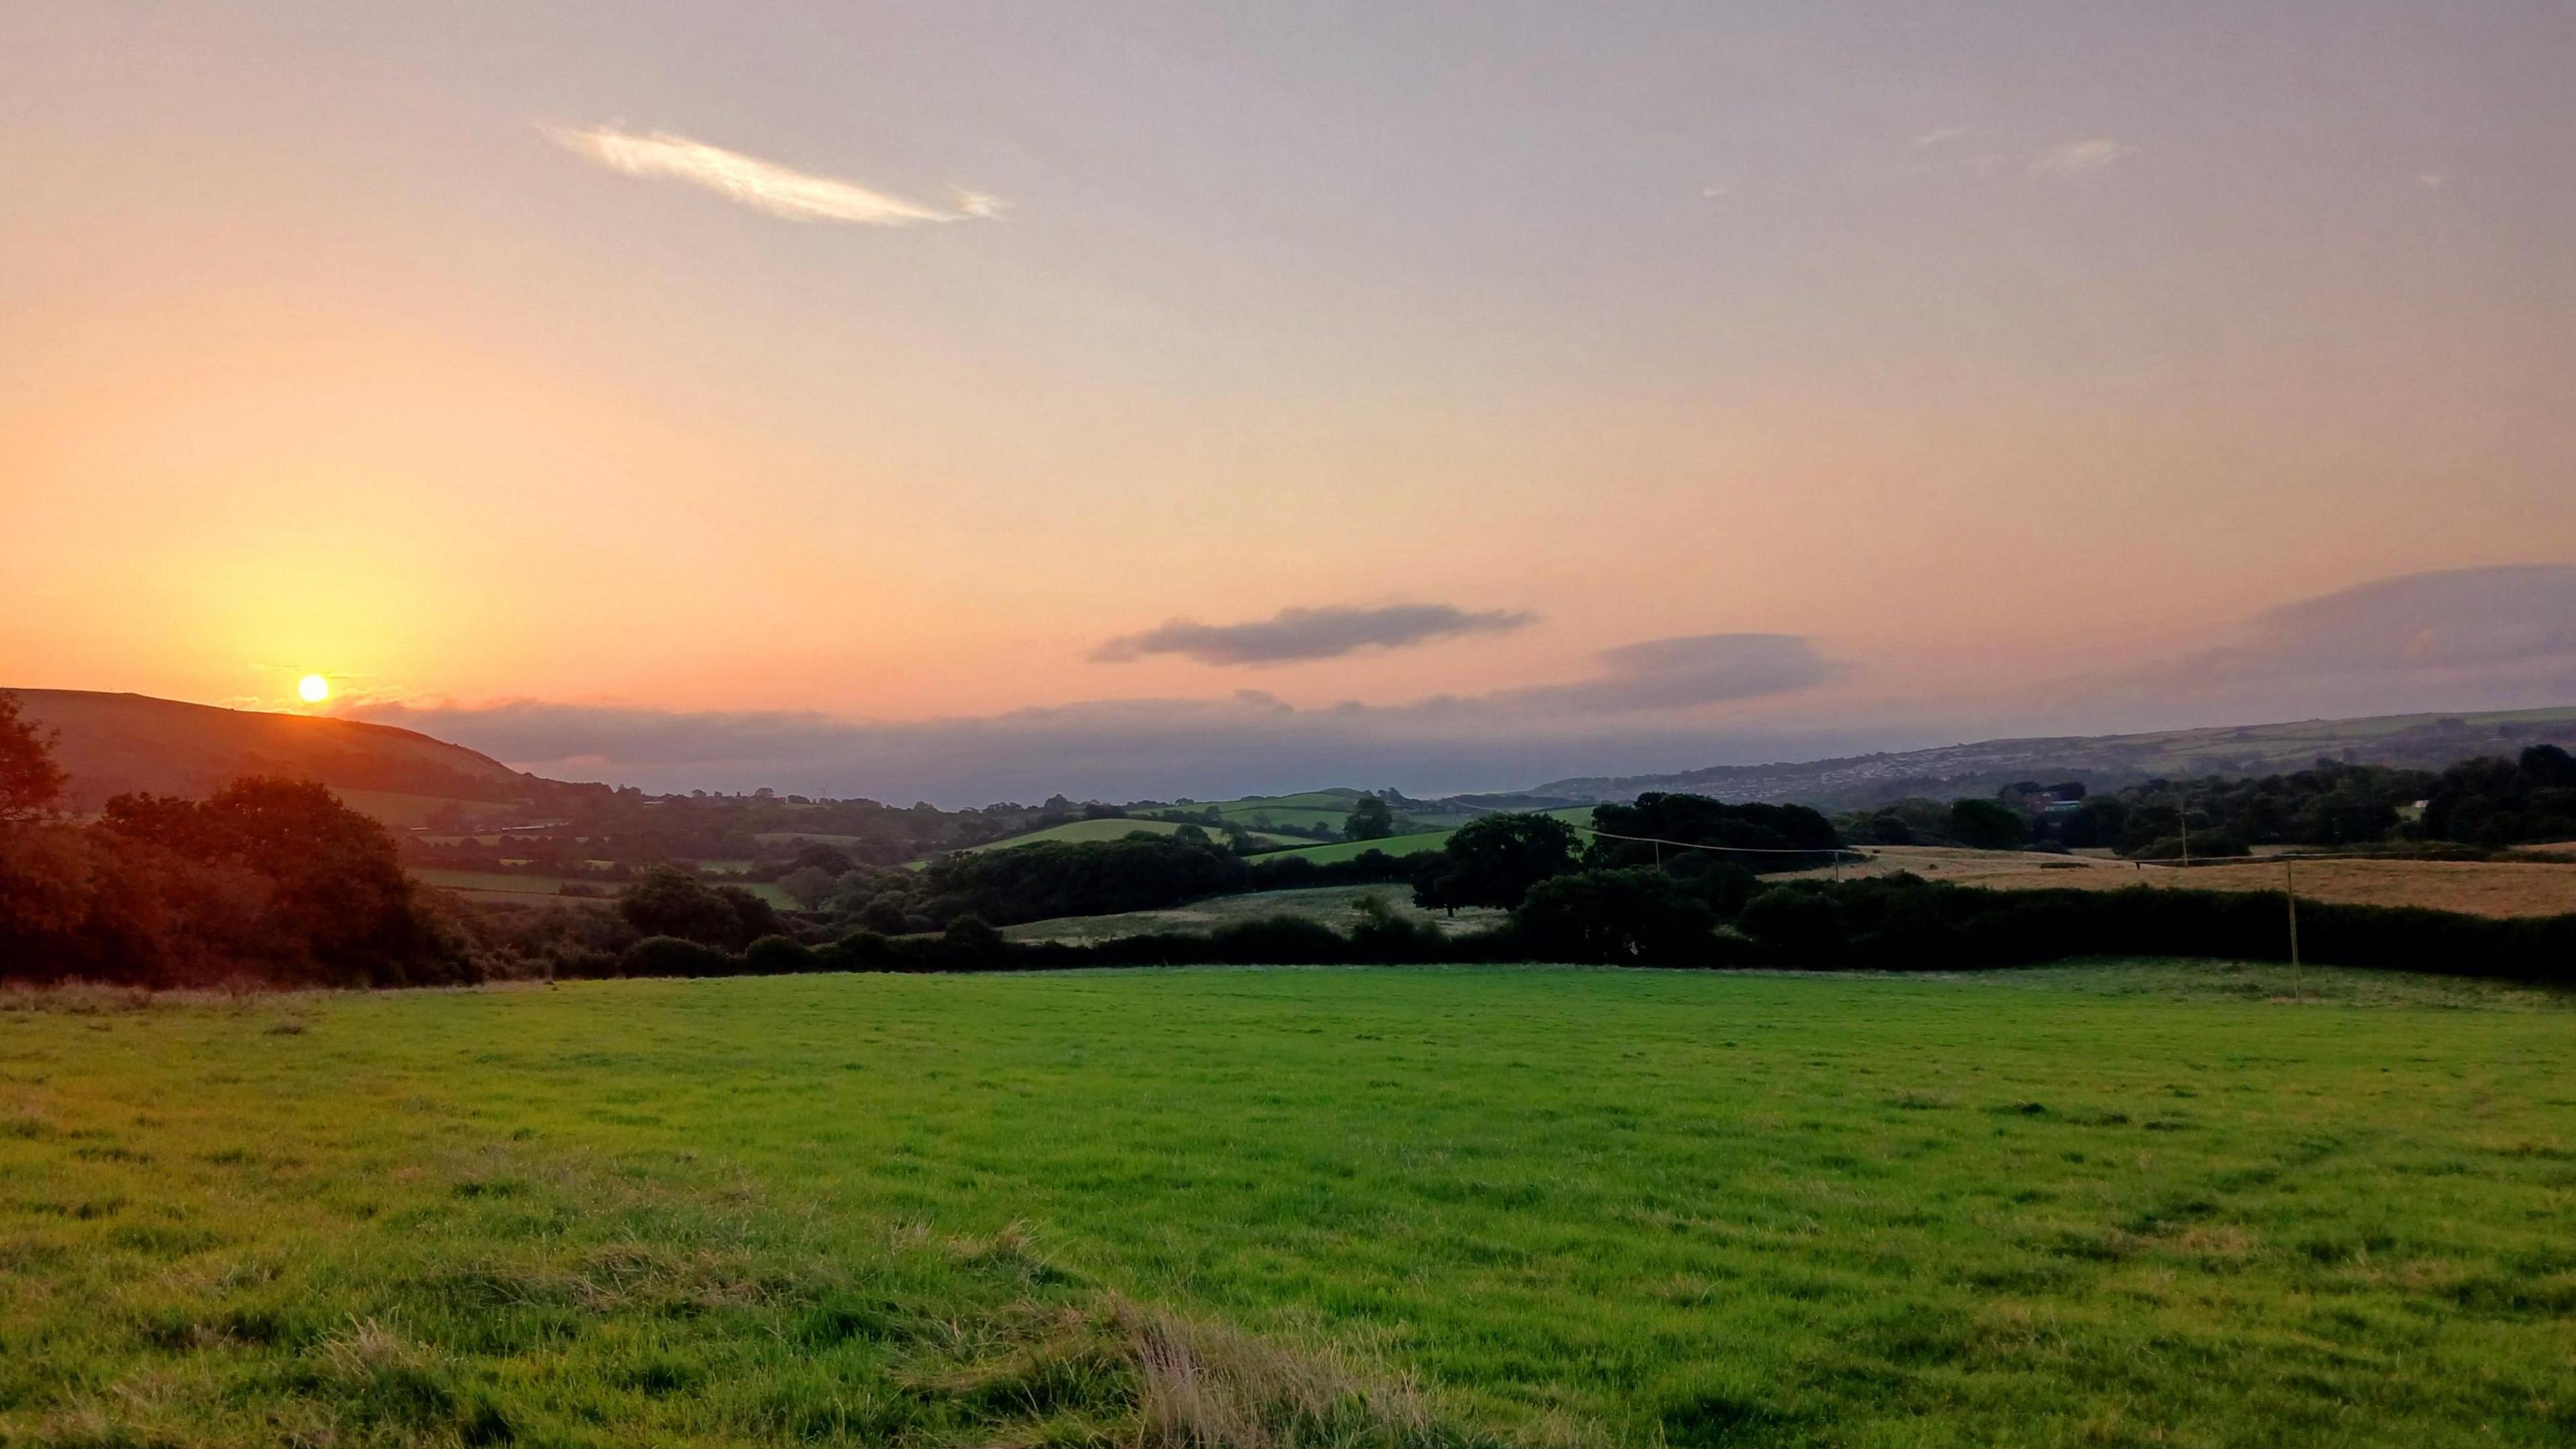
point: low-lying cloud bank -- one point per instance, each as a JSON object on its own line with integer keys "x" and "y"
{"x": 1114, "y": 750}
{"x": 2453, "y": 640}
{"x": 1300, "y": 634}
{"x": 1624, "y": 716}
{"x": 2457, "y": 641}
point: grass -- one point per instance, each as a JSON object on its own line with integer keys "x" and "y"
{"x": 2138, "y": 1204}
{"x": 1335, "y": 906}
{"x": 506, "y": 888}
{"x": 2485, "y": 888}
{"x": 1352, "y": 849}
{"x": 1576, "y": 815}
{"x": 1088, "y": 830}
{"x": 408, "y": 811}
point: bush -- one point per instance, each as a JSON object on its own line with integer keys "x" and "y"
{"x": 1803, "y": 927}
{"x": 674, "y": 956}
{"x": 1617, "y": 917}
{"x": 779, "y": 956}
{"x": 668, "y": 901}
{"x": 1493, "y": 860}
{"x": 1767, "y": 837}
{"x": 269, "y": 879}
{"x": 1988, "y": 825}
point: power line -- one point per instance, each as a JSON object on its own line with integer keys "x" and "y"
{"x": 1833, "y": 850}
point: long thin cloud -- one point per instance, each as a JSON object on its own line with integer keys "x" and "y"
{"x": 2074, "y": 158}
{"x": 1297, "y": 634}
{"x": 762, "y": 185}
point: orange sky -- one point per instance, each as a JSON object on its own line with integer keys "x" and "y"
{"x": 1970, "y": 351}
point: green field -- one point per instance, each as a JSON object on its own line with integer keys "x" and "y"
{"x": 505, "y": 888}
{"x": 1088, "y": 830}
{"x": 1334, "y": 906}
{"x": 1311, "y": 807}
{"x": 2144, "y": 1205}
{"x": 1575, "y": 815}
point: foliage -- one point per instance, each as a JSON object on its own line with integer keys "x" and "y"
{"x": 1762, "y": 833}
{"x": 779, "y": 956}
{"x": 1987, "y": 825}
{"x": 268, "y": 879}
{"x": 1051, "y": 878}
{"x": 30, "y": 781}
{"x": 1616, "y": 917}
{"x": 1370, "y": 819}
{"x": 809, "y": 885}
{"x": 1494, "y": 860}
{"x": 2493, "y": 802}
{"x": 674, "y": 956}
{"x": 667, "y": 901}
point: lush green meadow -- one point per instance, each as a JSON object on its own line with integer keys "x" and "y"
{"x": 1339, "y": 907}
{"x": 1112, "y": 828}
{"x": 1579, "y": 816}
{"x": 2140, "y": 1204}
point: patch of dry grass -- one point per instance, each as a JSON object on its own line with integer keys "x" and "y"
{"x": 2478, "y": 888}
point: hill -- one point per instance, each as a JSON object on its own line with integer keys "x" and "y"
{"x": 2414, "y": 741}
{"x": 113, "y": 743}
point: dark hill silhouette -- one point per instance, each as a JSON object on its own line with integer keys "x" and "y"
{"x": 113, "y": 743}
{"x": 2408, "y": 741}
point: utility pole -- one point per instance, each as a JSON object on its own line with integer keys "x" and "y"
{"x": 2182, "y": 814}
{"x": 2290, "y": 893}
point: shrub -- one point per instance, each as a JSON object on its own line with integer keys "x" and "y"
{"x": 779, "y": 956}
{"x": 674, "y": 956}
{"x": 1801, "y": 926}
{"x": 1616, "y": 917}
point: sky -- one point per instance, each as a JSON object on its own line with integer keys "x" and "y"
{"x": 972, "y": 401}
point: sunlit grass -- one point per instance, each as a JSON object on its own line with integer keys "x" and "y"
{"x": 2081, "y": 1205}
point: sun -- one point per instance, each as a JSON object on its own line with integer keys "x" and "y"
{"x": 314, "y": 688}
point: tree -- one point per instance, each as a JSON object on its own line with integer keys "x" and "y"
{"x": 1494, "y": 860}
{"x": 807, "y": 885}
{"x": 1616, "y": 917}
{"x": 1988, "y": 825}
{"x": 30, "y": 781}
{"x": 1757, "y": 836}
{"x": 665, "y": 902}
{"x": 827, "y": 859}
{"x": 1801, "y": 926}
{"x": 1370, "y": 819}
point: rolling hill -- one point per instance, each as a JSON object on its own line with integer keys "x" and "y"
{"x": 2416, "y": 741}
{"x": 113, "y": 743}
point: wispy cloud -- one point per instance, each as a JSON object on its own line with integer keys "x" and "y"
{"x": 1299, "y": 634}
{"x": 1941, "y": 136}
{"x": 762, "y": 185}
{"x": 2074, "y": 158}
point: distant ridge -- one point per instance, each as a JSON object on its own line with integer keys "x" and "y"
{"x": 112, "y": 743}
{"x": 2419, "y": 741}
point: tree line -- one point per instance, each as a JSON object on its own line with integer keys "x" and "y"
{"x": 267, "y": 878}
{"x": 2480, "y": 804}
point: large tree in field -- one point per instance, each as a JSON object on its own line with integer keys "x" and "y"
{"x": 1370, "y": 819}
{"x": 30, "y": 781}
{"x": 1495, "y": 860}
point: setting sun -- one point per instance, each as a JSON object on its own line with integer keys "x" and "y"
{"x": 314, "y": 688}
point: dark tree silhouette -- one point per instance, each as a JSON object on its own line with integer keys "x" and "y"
{"x": 1494, "y": 860}
{"x": 1370, "y": 819}
{"x": 30, "y": 781}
